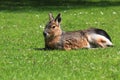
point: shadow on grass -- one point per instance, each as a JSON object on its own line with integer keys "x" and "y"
{"x": 42, "y": 49}
{"x": 14, "y": 5}
{"x": 37, "y": 49}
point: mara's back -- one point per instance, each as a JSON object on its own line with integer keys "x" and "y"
{"x": 74, "y": 40}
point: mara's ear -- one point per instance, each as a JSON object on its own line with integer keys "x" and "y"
{"x": 51, "y": 17}
{"x": 58, "y": 18}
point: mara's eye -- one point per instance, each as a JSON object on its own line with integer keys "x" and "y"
{"x": 53, "y": 26}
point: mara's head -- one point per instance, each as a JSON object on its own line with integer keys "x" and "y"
{"x": 52, "y": 28}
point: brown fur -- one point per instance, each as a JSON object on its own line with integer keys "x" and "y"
{"x": 52, "y": 43}
{"x": 74, "y": 40}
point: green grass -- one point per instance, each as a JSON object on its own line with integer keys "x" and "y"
{"x": 21, "y": 32}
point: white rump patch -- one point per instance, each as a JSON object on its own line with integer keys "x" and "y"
{"x": 93, "y": 38}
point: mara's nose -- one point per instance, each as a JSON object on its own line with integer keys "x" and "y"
{"x": 45, "y": 34}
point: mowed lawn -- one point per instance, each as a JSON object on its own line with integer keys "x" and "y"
{"x": 21, "y": 41}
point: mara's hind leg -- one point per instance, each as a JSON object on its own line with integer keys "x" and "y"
{"x": 103, "y": 42}
{"x": 97, "y": 40}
